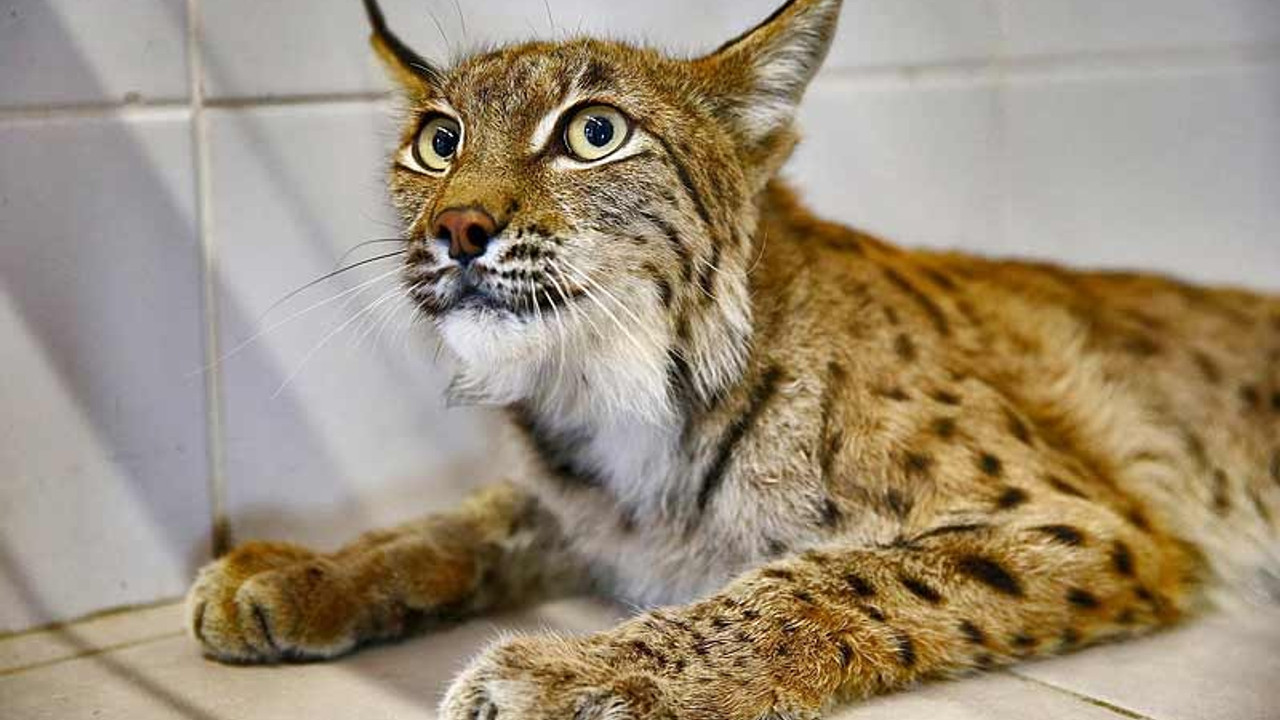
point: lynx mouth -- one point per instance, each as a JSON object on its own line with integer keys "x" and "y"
{"x": 521, "y": 294}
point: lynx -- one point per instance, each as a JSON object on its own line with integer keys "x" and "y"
{"x": 824, "y": 466}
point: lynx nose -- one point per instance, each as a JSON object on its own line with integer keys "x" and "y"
{"x": 468, "y": 231}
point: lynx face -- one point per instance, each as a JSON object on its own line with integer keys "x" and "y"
{"x": 586, "y": 207}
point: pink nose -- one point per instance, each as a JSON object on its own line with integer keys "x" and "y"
{"x": 468, "y": 231}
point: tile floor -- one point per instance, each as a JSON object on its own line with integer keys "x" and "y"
{"x": 139, "y": 665}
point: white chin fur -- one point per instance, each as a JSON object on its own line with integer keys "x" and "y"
{"x": 571, "y": 371}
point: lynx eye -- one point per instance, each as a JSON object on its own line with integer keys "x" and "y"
{"x": 437, "y": 143}
{"x": 595, "y": 132}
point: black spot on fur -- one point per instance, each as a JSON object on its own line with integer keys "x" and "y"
{"x": 690, "y": 188}
{"x": 1208, "y": 367}
{"x": 944, "y": 428}
{"x": 778, "y": 574}
{"x": 872, "y": 612}
{"x": 860, "y": 586}
{"x": 990, "y": 465}
{"x": 1138, "y": 519}
{"x": 973, "y": 633}
{"x": 1122, "y": 559}
{"x": 895, "y": 394}
{"x": 1275, "y": 401}
{"x": 1065, "y": 487}
{"x": 1064, "y": 534}
{"x": 898, "y": 503}
{"x": 905, "y": 348}
{"x": 1221, "y": 493}
{"x": 917, "y": 464}
{"x": 596, "y": 76}
{"x": 1017, "y": 426}
{"x": 990, "y": 573}
{"x": 906, "y": 649}
{"x": 1011, "y": 498}
{"x": 940, "y": 279}
{"x": 556, "y": 450}
{"x": 926, "y": 304}
{"x": 920, "y": 589}
{"x": 1022, "y": 641}
{"x": 764, "y": 391}
{"x": 946, "y": 398}
{"x": 831, "y": 514}
{"x": 846, "y": 653}
{"x": 1082, "y": 599}
{"x": 1250, "y": 397}
{"x": 642, "y": 649}
{"x": 951, "y": 530}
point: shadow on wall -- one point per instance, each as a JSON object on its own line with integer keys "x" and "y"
{"x": 107, "y": 295}
{"x": 107, "y": 292}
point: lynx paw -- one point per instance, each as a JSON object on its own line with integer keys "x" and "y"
{"x": 546, "y": 678}
{"x": 268, "y": 602}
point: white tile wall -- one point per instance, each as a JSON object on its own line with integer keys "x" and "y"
{"x": 1060, "y": 27}
{"x": 1177, "y": 172}
{"x": 1141, "y": 132}
{"x": 102, "y": 445}
{"x": 911, "y": 163}
{"x": 60, "y": 52}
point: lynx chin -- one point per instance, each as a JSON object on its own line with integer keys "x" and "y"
{"x": 828, "y": 466}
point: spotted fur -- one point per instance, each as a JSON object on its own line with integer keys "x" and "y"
{"x": 830, "y": 467}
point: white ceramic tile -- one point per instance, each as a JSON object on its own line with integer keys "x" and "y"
{"x": 71, "y": 51}
{"x": 1057, "y": 27}
{"x": 169, "y": 679}
{"x": 1223, "y": 668}
{"x": 360, "y": 436}
{"x": 876, "y": 33}
{"x": 1178, "y": 173}
{"x": 300, "y": 47}
{"x": 103, "y": 501}
{"x": 912, "y": 164}
{"x": 113, "y": 630}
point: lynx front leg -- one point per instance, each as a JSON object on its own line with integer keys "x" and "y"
{"x": 794, "y": 638}
{"x": 267, "y": 602}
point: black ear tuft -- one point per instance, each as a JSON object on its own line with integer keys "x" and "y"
{"x": 405, "y": 65}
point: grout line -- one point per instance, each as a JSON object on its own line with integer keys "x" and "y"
{"x": 140, "y": 110}
{"x": 309, "y": 99}
{"x": 1123, "y": 712}
{"x": 84, "y": 619}
{"x": 216, "y": 487}
{"x": 8, "y": 672}
{"x": 1021, "y": 69}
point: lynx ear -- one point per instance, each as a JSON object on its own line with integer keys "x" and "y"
{"x": 763, "y": 73}
{"x": 406, "y": 67}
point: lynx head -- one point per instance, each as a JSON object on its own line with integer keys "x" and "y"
{"x": 581, "y": 215}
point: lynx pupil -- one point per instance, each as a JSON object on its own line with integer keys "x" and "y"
{"x": 598, "y": 131}
{"x": 445, "y": 142}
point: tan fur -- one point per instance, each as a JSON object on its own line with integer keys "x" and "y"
{"x": 846, "y": 466}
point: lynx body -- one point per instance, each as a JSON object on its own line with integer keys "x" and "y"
{"x": 841, "y": 466}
